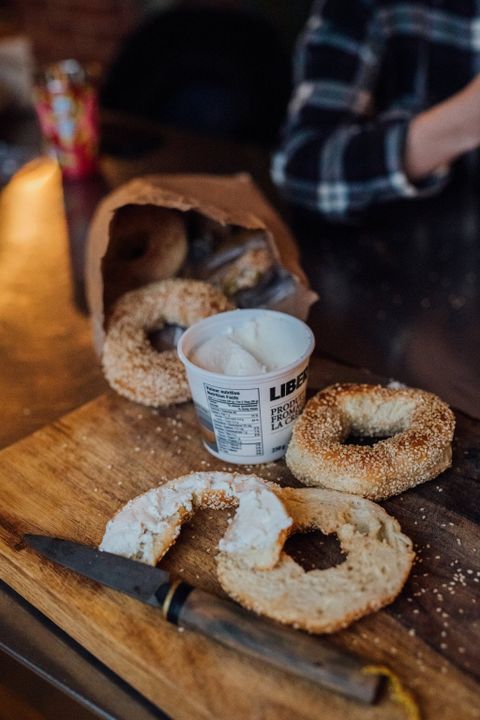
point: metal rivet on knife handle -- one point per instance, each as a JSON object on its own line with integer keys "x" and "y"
{"x": 174, "y": 600}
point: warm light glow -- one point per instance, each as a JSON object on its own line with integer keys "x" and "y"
{"x": 32, "y": 217}
{"x": 36, "y": 173}
{"x": 34, "y": 195}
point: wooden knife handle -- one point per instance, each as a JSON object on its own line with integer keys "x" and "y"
{"x": 289, "y": 650}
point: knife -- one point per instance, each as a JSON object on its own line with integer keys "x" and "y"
{"x": 289, "y": 650}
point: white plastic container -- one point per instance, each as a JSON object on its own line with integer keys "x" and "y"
{"x": 247, "y": 419}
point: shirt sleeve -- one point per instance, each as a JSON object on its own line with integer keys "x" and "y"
{"x": 337, "y": 155}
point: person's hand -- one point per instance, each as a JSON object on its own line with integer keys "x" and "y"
{"x": 439, "y": 135}
{"x": 469, "y": 105}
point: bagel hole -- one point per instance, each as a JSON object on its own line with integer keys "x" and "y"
{"x": 133, "y": 246}
{"x": 314, "y": 550}
{"x": 166, "y": 337}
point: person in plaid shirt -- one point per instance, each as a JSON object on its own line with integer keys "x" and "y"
{"x": 386, "y": 96}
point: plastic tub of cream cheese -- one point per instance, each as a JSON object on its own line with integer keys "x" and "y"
{"x": 247, "y": 371}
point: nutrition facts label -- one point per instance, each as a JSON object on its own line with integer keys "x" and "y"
{"x": 236, "y": 419}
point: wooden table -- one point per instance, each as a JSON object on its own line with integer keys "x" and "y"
{"x": 400, "y": 291}
{"x": 48, "y": 368}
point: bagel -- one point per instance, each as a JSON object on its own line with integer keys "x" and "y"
{"x": 146, "y": 527}
{"x": 378, "y": 559}
{"x": 131, "y": 365}
{"x": 419, "y": 447}
{"x": 245, "y": 272}
{"x": 147, "y": 243}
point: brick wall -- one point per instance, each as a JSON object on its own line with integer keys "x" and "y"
{"x": 87, "y": 30}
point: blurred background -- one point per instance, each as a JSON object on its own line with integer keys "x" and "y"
{"x": 220, "y": 68}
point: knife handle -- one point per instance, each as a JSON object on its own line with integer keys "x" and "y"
{"x": 289, "y": 650}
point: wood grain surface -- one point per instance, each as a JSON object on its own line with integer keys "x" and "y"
{"x": 48, "y": 365}
{"x": 68, "y": 478}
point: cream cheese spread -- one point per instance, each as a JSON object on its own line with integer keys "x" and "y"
{"x": 258, "y": 346}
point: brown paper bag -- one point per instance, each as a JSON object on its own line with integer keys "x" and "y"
{"x": 134, "y": 240}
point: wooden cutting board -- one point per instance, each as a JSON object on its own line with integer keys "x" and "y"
{"x": 70, "y": 477}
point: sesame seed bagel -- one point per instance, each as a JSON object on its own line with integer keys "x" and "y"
{"x": 378, "y": 560}
{"x": 147, "y": 526}
{"x": 131, "y": 365}
{"x": 420, "y": 427}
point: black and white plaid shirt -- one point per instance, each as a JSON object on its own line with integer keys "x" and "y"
{"x": 363, "y": 69}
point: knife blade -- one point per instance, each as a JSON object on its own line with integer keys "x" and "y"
{"x": 297, "y": 653}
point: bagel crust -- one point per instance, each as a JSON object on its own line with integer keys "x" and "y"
{"x": 131, "y": 365}
{"x": 420, "y": 427}
{"x": 378, "y": 560}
